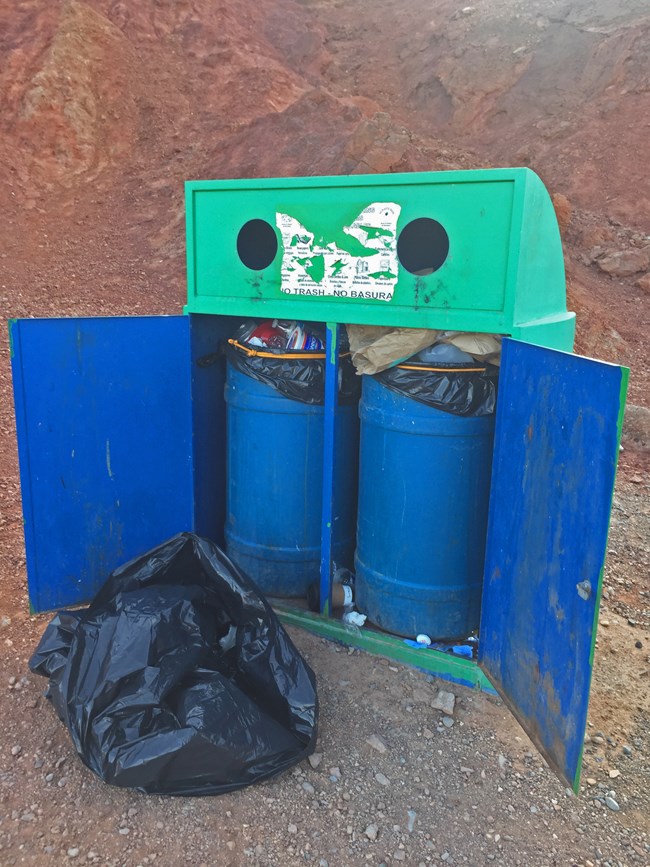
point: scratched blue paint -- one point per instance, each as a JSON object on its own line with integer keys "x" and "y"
{"x": 424, "y": 486}
{"x": 556, "y": 448}
{"x": 275, "y": 481}
{"x": 329, "y": 461}
{"x": 208, "y": 377}
{"x": 107, "y": 460}
{"x": 458, "y": 681}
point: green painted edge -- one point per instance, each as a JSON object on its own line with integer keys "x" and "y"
{"x": 11, "y": 324}
{"x": 190, "y": 256}
{"x": 625, "y": 377}
{"x": 457, "y": 176}
{"x": 447, "y": 667}
{"x": 331, "y": 327}
{"x": 517, "y": 212}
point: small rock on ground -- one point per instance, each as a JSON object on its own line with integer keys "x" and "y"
{"x": 377, "y": 744}
{"x": 444, "y": 701}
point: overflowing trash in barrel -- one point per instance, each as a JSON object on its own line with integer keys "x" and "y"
{"x": 289, "y": 356}
{"x": 426, "y": 434}
{"x": 455, "y": 372}
{"x": 421, "y": 456}
{"x": 275, "y": 389}
{"x": 282, "y": 334}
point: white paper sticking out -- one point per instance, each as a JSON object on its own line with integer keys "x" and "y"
{"x": 311, "y": 267}
{"x": 353, "y": 618}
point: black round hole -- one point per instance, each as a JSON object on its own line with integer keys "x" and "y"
{"x": 422, "y": 246}
{"x": 257, "y": 244}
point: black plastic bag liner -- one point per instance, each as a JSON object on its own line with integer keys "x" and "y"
{"x": 466, "y": 390}
{"x": 179, "y": 678}
{"x": 299, "y": 375}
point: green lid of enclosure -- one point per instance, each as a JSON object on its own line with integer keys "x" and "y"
{"x": 462, "y": 250}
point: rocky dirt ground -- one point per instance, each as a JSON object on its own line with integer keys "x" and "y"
{"x": 393, "y": 779}
{"x": 107, "y": 106}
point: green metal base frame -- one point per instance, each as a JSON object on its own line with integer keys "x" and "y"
{"x": 442, "y": 665}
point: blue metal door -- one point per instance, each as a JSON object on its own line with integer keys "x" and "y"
{"x": 556, "y": 448}
{"x": 105, "y": 410}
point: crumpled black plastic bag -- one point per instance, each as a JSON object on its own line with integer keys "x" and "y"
{"x": 459, "y": 392}
{"x": 294, "y": 376}
{"x": 179, "y": 679}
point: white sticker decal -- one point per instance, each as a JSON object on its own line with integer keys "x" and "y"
{"x": 318, "y": 267}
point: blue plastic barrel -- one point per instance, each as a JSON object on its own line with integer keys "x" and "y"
{"x": 275, "y": 483}
{"x": 424, "y": 484}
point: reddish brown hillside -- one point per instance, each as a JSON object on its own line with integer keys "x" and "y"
{"x": 107, "y": 107}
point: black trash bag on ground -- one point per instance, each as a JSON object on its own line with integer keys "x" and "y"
{"x": 466, "y": 390}
{"x": 299, "y": 375}
{"x": 179, "y": 679}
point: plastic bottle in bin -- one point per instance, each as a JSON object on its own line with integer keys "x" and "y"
{"x": 300, "y": 338}
{"x": 267, "y": 334}
{"x": 342, "y": 590}
{"x": 342, "y": 596}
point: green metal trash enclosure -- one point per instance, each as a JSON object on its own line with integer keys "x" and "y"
{"x": 475, "y": 251}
